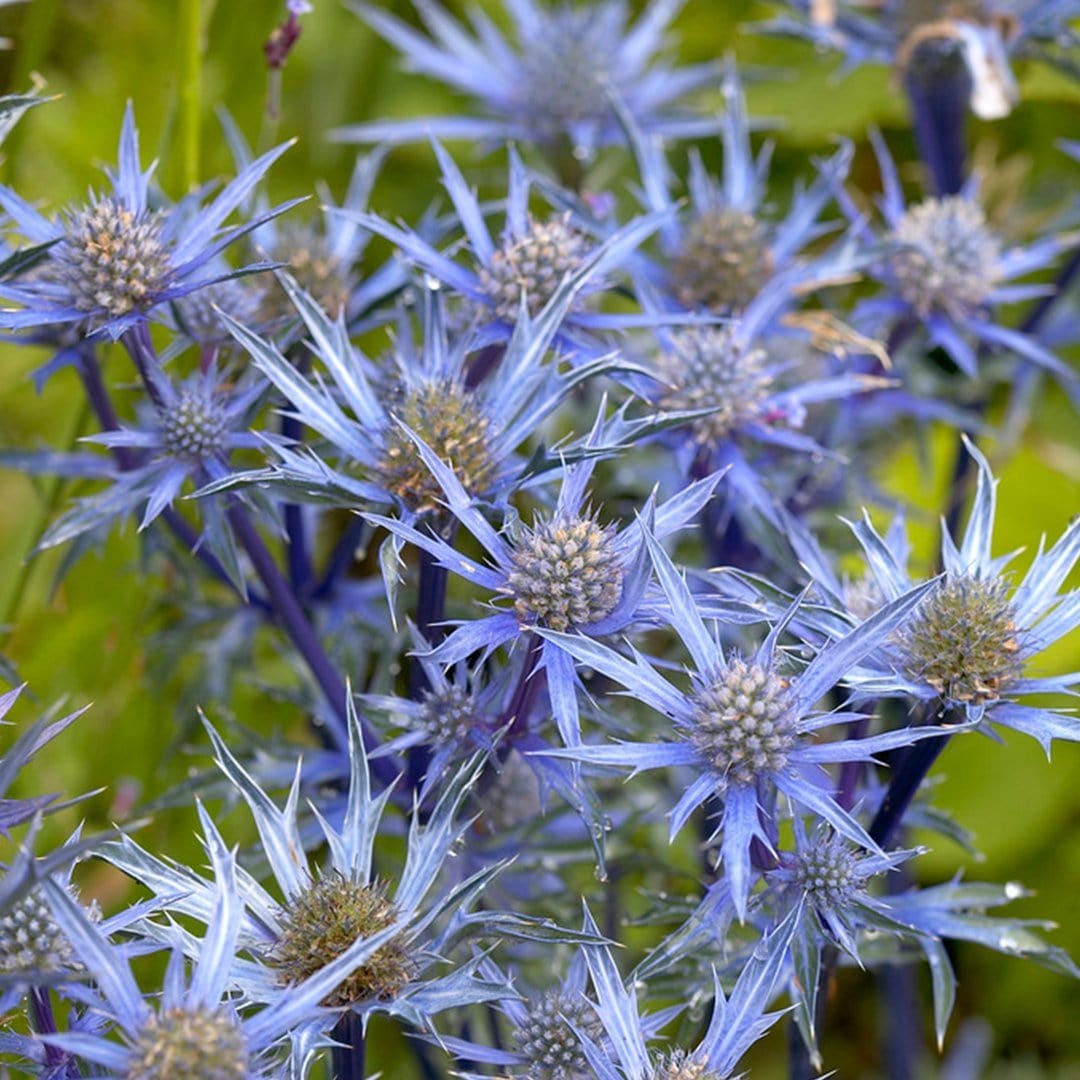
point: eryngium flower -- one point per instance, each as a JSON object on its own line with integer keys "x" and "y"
{"x": 113, "y": 262}
{"x": 373, "y": 416}
{"x": 188, "y": 434}
{"x": 722, "y": 250}
{"x": 947, "y": 269}
{"x": 530, "y": 261}
{"x": 737, "y": 1021}
{"x": 565, "y": 571}
{"x": 553, "y": 83}
{"x": 326, "y": 911}
{"x": 745, "y": 725}
{"x": 969, "y": 643}
{"x": 194, "y": 1030}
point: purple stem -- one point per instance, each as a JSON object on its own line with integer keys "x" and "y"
{"x": 303, "y": 636}
{"x": 45, "y": 1023}
{"x": 529, "y": 685}
{"x": 341, "y": 558}
{"x": 292, "y": 429}
{"x": 347, "y": 1059}
{"x": 939, "y": 87}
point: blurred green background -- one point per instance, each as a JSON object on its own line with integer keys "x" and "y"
{"x": 86, "y": 639}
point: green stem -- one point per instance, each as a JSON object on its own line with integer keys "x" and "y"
{"x": 190, "y": 25}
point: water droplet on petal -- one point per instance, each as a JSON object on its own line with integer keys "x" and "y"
{"x": 1014, "y": 890}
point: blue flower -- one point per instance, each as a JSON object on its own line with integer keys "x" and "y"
{"x": 553, "y": 84}
{"x": 326, "y": 910}
{"x": 187, "y": 432}
{"x": 947, "y": 269}
{"x": 531, "y": 260}
{"x": 968, "y": 645}
{"x": 114, "y": 261}
{"x": 426, "y": 389}
{"x": 197, "y": 1027}
{"x": 566, "y": 571}
{"x": 722, "y": 251}
{"x": 745, "y": 726}
{"x": 900, "y": 33}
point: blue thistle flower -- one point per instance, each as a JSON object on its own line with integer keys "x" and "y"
{"x": 737, "y": 1021}
{"x": 426, "y": 391}
{"x": 745, "y": 726}
{"x": 530, "y": 262}
{"x": 553, "y": 84}
{"x": 326, "y": 911}
{"x": 197, "y": 1028}
{"x": 947, "y": 270}
{"x": 114, "y": 262}
{"x": 565, "y": 571}
{"x": 970, "y": 641}
{"x": 187, "y": 432}
{"x": 720, "y": 250}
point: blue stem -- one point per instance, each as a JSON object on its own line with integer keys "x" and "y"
{"x": 939, "y": 87}
{"x": 347, "y": 1060}
{"x": 292, "y": 429}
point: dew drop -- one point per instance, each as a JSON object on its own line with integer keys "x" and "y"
{"x": 1014, "y": 890}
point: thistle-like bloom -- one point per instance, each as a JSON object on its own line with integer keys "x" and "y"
{"x": 737, "y": 1022}
{"x": 722, "y": 250}
{"x": 983, "y": 33}
{"x": 112, "y": 262}
{"x": 530, "y": 261}
{"x": 187, "y": 433}
{"x": 566, "y": 571}
{"x": 947, "y": 269}
{"x": 326, "y": 910}
{"x": 426, "y": 391}
{"x": 973, "y": 636}
{"x": 745, "y": 725}
{"x": 196, "y": 1030}
{"x": 553, "y": 83}
{"x": 736, "y": 389}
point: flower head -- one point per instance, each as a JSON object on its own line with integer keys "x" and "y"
{"x": 947, "y": 269}
{"x": 564, "y": 572}
{"x": 375, "y": 416}
{"x": 552, "y": 82}
{"x": 114, "y": 262}
{"x": 722, "y": 250}
{"x": 746, "y": 724}
{"x": 970, "y": 642}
